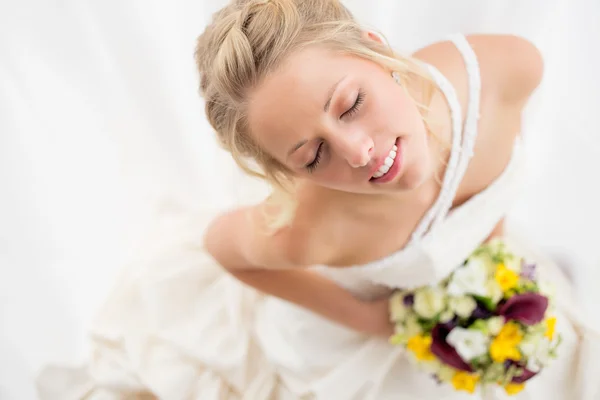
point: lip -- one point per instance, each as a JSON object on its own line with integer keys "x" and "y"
{"x": 394, "y": 170}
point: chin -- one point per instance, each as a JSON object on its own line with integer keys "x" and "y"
{"x": 415, "y": 177}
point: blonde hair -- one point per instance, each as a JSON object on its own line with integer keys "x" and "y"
{"x": 248, "y": 39}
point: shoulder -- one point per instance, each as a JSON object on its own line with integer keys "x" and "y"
{"x": 511, "y": 63}
{"x": 511, "y": 67}
{"x": 242, "y": 239}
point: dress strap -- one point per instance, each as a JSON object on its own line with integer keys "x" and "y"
{"x": 471, "y": 121}
{"x": 463, "y": 137}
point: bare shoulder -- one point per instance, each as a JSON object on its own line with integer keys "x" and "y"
{"x": 511, "y": 68}
{"x": 512, "y": 65}
{"x": 242, "y": 239}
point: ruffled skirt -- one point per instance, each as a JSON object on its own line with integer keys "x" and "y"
{"x": 177, "y": 326}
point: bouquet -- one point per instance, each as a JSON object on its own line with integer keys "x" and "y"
{"x": 489, "y": 323}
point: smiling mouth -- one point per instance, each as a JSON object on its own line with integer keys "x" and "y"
{"x": 388, "y": 163}
{"x": 390, "y": 167}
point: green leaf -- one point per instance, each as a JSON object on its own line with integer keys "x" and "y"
{"x": 494, "y": 372}
{"x": 481, "y": 362}
{"x": 428, "y": 324}
{"x": 479, "y": 325}
{"x": 486, "y": 301}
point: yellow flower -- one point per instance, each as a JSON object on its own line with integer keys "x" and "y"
{"x": 511, "y": 333}
{"x": 501, "y": 350}
{"x": 513, "y": 388}
{"x": 420, "y": 345}
{"x": 550, "y": 326}
{"x": 504, "y": 346}
{"x": 465, "y": 381}
{"x": 506, "y": 278}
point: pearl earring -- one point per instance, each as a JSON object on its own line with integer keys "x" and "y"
{"x": 396, "y": 77}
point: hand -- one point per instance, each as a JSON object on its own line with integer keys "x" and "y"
{"x": 377, "y": 318}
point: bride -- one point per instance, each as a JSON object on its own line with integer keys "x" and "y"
{"x": 387, "y": 171}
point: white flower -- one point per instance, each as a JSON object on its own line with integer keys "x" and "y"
{"x": 429, "y": 302}
{"x": 495, "y": 325}
{"x": 469, "y": 343}
{"x": 412, "y": 326}
{"x": 528, "y": 345}
{"x": 400, "y": 336}
{"x": 537, "y": 350}
{"x": 533, "y": 366}
{"x": 399, "y": 329}
{"x": 470, "y": 279}
{"x": 398, "y": 310}
{"x": 496, "y": 245}
{"x": 493, "y": 291}
{"x": 463, "y": 306}
{"x": 513, "y": 263}
{"x": 446, "y": 316}
{"x": 484, "y": 261}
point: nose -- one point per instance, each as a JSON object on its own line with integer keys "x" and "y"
{"x": 357, "y": 148}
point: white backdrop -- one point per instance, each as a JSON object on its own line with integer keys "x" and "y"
{"x": 101, "y": 126}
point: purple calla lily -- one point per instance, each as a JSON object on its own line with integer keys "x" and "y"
{"x": 528, "y": 308}
{"x": 443, "y": 350}
{"x": 524, "y": 377}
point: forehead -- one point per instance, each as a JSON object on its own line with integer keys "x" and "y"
{"x": 289, "y": 101}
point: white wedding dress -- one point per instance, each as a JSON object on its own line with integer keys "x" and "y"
{"x": 178, "y": 327}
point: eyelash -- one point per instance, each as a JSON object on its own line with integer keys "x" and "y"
{"x": 314, "y": 163}
{"x": 360, "y": 98}
{"x": 356, "y": 106}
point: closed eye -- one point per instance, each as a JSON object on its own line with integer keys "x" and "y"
{"x": 360, "y": 98}
{"x": 315, "y": 162}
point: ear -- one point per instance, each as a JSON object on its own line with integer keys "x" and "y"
{"x": 373, "y": 36}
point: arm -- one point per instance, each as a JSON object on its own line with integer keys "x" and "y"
{"x": 318, "y": 294}
{"x": 498, "y": 231}
{"x": 259, "y": 261}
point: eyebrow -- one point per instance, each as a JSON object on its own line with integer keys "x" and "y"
{"x": 297, "y": 146}
{"x": 325, "y": 109}
{"x": 330, "y": 94}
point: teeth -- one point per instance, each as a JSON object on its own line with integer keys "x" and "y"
{"x": 387, "y": 163}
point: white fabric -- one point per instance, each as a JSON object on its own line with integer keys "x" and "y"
{"x": 100, "y": 123}
{"x": 457, "y": 139}
{"x": 461, "y": 146}
{"x": 179, "y": 327}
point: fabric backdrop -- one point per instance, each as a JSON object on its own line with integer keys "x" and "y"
{"x": 101, "y": 128}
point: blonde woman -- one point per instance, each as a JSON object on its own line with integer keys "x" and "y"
{"x": 387, "y": 172}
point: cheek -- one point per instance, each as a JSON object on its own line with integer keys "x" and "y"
{"x": 396, "y": 112}
{"x": 337, "y": 175}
